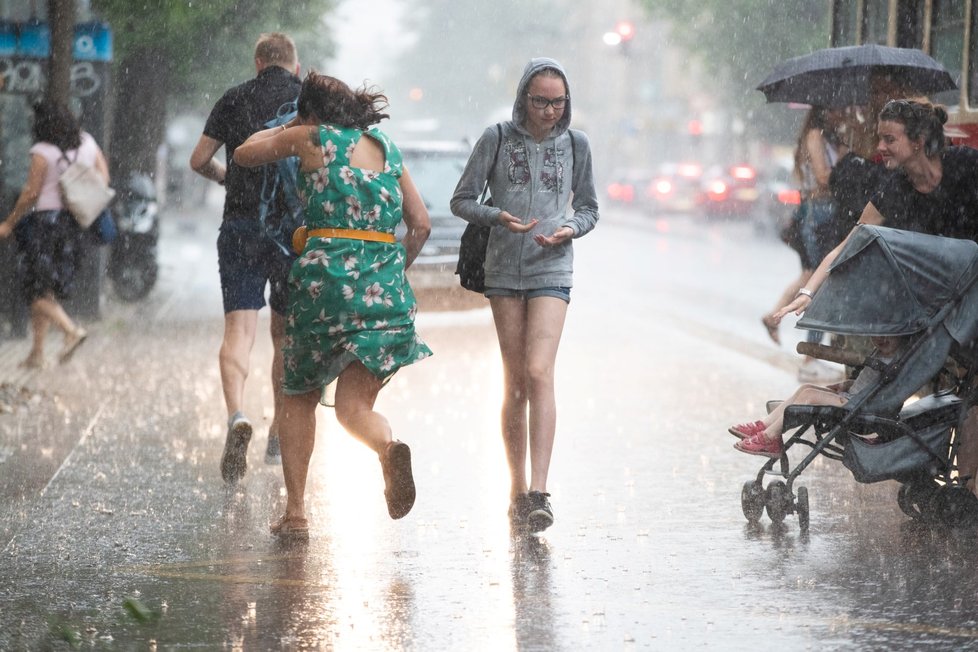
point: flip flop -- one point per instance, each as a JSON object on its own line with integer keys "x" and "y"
{"x": 291, "y": 529}
{"x": 72, "y": 345}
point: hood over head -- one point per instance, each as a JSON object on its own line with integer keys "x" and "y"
{"x": 519, "y": 107}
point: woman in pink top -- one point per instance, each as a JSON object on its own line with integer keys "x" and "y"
{"x": 48, "y": 237}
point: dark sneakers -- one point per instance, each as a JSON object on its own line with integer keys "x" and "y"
{"x": 540, "y": 514}
{"x": 234, "y": 461}
{"x": 399, "y": 487}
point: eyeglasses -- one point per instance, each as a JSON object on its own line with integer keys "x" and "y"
{"x": 540, "y": 102}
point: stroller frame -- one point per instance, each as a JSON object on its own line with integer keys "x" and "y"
{"x": 889, "y": 282}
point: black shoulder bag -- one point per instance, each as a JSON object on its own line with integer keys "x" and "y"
{"x": 475, "y": 239}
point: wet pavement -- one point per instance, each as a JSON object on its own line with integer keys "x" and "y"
{"x": 117, "y": 532}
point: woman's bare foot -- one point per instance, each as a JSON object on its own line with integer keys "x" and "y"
{"x": 72, "y": 342}
{"x": 291, "y": 529}
{"x": 772, "y": 328}
{"x": 33, "y": 361}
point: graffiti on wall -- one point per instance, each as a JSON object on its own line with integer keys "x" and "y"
{"x": 29, "y": 76}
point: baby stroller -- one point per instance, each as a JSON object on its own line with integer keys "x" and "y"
{"x": 888, "y": 282}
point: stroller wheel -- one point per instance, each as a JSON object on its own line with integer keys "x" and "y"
{"x": 916, "y": 499}
{"x": 752, "y": 499}
{"x": 778, "y": 501}
{"x": 955, "y": 506}
{"x": 801, "y": 508}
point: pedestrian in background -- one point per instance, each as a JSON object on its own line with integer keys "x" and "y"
{"x": 48, "y": 237}
{"x": 818, "y": 149}
{"x": 536, "y": 168}
{"x": 247, "y": 258}
{"x": 351, "y": 310}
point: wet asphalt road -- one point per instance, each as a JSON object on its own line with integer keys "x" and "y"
{"x": 117, "y": 532}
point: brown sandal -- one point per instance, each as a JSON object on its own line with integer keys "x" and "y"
{"x": 399, "y": 487}
{"x": 295, "y": 529}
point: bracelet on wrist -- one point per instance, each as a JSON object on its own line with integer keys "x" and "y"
{"x": 805, "y": 291}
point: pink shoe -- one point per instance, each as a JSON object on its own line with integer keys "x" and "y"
{"x": 758, "y": 444}
{"x": 744, "y": 430}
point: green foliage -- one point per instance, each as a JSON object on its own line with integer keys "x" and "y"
{"x": 203, "y": 46}
{"x": 740, "y": 41}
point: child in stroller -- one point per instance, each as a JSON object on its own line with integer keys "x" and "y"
{"x": 763, "y": 437}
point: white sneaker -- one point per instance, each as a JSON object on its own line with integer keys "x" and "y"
{"x": 819, "y": 371}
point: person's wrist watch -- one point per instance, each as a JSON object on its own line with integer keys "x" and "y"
{"x": 805, "y": 291}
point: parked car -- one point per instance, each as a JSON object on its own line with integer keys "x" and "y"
{"x": 435, "y": 168}
{"x": 779, "y": 196}
{"x": 674, "y": 188}
{"x": 729, "y": 191}
{"x": 629, "y": 187}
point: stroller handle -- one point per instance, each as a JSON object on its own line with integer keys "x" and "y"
{"x": 831, "y": 354}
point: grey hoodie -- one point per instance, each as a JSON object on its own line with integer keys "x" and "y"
{"x": 529, "y": 180}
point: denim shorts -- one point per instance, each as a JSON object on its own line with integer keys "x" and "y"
{"x": 556, "y": 292}
{"x": 247, "y": 259}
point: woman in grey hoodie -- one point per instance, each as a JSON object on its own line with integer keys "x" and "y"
{"x": 536, "y": 168}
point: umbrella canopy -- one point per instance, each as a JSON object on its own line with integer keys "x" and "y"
{"x": 842, "y": 76}
{"x": 891, "y": 282}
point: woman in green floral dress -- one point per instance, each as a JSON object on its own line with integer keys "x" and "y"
{"x": 351, "y": 310}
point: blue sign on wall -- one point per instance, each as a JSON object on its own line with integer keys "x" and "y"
{"x": 32, "y": 40}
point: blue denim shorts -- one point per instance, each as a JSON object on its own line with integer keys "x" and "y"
{"x": 247, "y": 259}
{"x": 556, "y": 292}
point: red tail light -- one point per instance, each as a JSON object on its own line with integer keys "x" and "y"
{"x": 742, "y": 172}
{"x": 662, "y": 186}
{"x": 717, "y": 190}
{"x": 790, "y": 197}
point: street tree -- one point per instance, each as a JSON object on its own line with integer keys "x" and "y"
{"x": 740, "y": 41}
{"x": 171, "y": 54}
{"x": 61, "y": 17}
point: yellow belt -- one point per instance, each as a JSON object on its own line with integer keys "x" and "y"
{"x": 301, "y": 234}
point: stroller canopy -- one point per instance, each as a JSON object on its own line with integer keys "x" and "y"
{"x": 891, "y": 282}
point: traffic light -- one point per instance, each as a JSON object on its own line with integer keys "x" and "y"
{"x": 621, "y": 36}
{"x": 626, "y": 30}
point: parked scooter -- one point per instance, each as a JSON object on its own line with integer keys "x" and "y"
{"x": 133, "y": 265}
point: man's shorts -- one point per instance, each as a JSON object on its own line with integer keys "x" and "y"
{"x": 247, "y": 260}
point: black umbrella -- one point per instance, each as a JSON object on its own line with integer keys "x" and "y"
{"x": 841, "y": 76}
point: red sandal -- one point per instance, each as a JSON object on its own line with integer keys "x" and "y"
{"x": 745, "y": 430}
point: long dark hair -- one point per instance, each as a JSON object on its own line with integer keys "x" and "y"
{"x": 54, "y": 123}
{"x": 330, "y": 101}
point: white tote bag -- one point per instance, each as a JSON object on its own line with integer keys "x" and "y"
{"x": 84, "y": 193}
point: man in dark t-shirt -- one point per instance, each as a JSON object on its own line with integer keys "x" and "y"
{"x": 247, "y": 259}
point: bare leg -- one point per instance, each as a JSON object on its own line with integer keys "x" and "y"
{"x": 545, "y": 323}
{"x": 39, "y": 329}
{"x": 45, "y": 311}
{"x": 804, "y": 395}
{"x": 510, "y": 316}
{"x": 239, "y": 338}
{"x": 786, "y": 297}
{"x": 278, "y": 369}
{"x": 298, "y": 438}
{"x": 356, "y": 393}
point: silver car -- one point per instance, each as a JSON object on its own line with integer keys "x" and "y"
{"x": 435, "y": 167}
